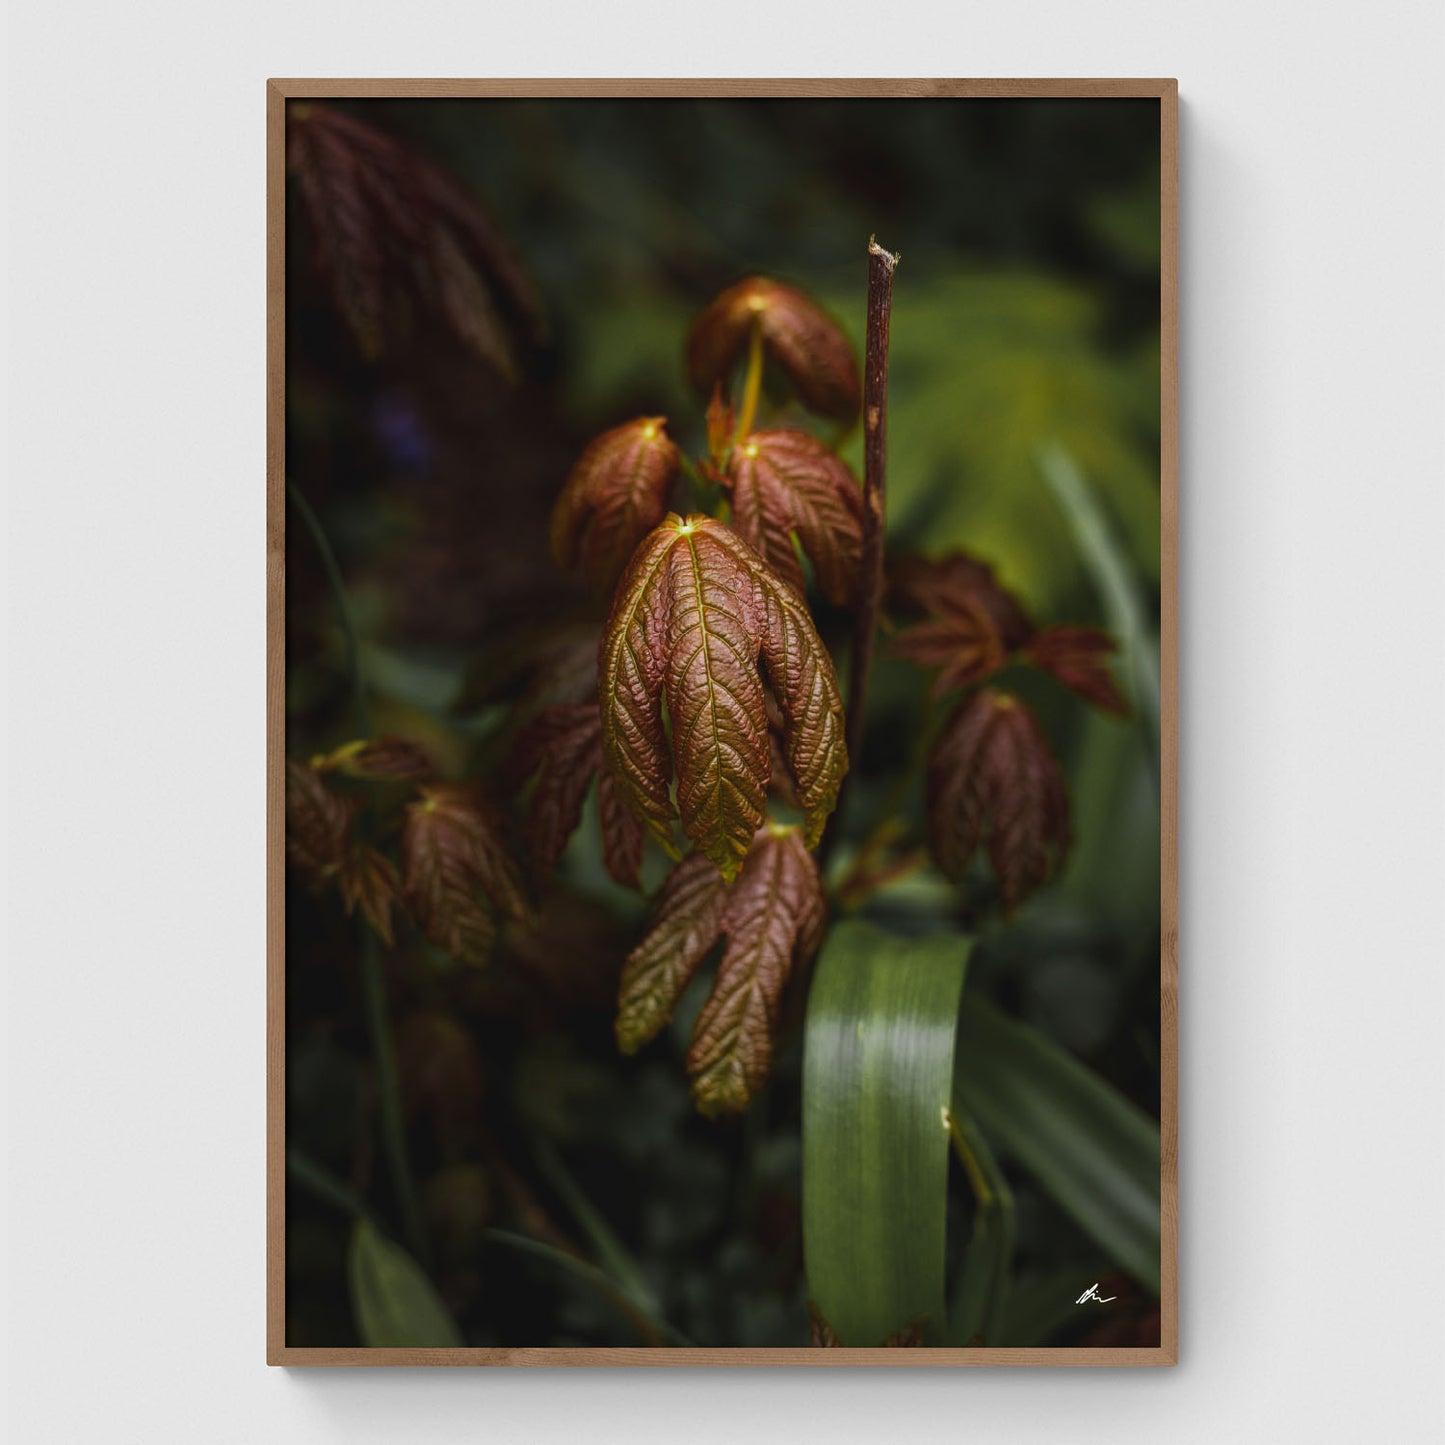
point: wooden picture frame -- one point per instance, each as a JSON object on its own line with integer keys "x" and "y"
{"x": 278, "y": 92}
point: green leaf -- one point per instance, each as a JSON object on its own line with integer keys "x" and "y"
{"x": 981, "y": 1297}
{"x": 393, "y": 1301}
{"x": 1114, "y": 578}
{"x": 1089, "y": 1147}
{"x": 877, "y": 1085}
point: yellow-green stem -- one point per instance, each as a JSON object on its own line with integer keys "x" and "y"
{"x": 753, "y": 384}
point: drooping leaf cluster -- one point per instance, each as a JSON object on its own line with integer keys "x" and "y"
{"x": 456, "y": 876}
{"x": 993, "y": 781}
{"x": 715, "y": 692}
{"x": 772, "y": 915}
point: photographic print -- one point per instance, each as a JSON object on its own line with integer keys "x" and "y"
{"x": 722, "y": 722}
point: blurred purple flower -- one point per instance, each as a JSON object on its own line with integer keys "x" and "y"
{"x": 404, "y": 438}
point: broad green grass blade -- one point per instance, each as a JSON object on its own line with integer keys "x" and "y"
{"x": 392, "y": 1299}
{"x": 981, "y": 1296}
{"x": 1088, "y": 1146}
{"x": 877, "y": 1087}
{"x": 1113, "y": 576}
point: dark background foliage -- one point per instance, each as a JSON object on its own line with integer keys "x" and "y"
{"x": 1026, "y": 313}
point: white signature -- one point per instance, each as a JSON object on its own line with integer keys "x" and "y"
{"x": 1092, "y": 1293}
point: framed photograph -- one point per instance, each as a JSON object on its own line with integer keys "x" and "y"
{"x": 722, "y": 722}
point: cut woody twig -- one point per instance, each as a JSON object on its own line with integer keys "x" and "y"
{"x": 881, "y": 265}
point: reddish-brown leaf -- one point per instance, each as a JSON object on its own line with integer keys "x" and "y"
{"x": 383, "y": 219}
{"x": 453, "y": 857}
{"x": 615, "y": 495}
{"x": 773, "y": 921}
{"x": 993, "y": 783}
{"x": 806, "y": 689}
{"x": 1079, "y": 658}
{"x": 369, "y": 880}
{"x": 772, "y": 916}
{"x": 563, "y": 746}
{"x": 720, "y": 426}
{"x": 970, "y": 624}
{"x": 348, "y": 249}
{"x": 691, "y": 616}
{"x": 383, "y": 759}
{"x": 533, "y": 667}
{"x": 962, "y": 643}
{"x": 686, "y": 923}
{"x": 922, "y": 586}
{"x": 797, "y": 333}
{"x": 319, "y": 825}
{"x": 787, "y": 484}
{"x": 622, "y": 835}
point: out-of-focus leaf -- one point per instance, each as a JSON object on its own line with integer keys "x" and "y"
{"x": 369, "y": 881}
{"x": 319, "y": 825}
{"x": 994, "y": 783}
{"x": 877, "y": 1085}
{"x": 1095, "y": 1153}
{"x": 787, "y": 484}
{"x": 797, "y": 333}
{"x": 563, "y": 746}
{"x": 453, "y": 853}
{"x": 692, "y": 613}
{"x": 614, "y": 496}
{"x": 382, "y": 218}
{"x": 395, "y": 1305}
{"x": 1078, "y": 657}
{"x": 383, "y": 759}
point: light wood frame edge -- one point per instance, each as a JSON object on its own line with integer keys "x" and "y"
{"x": 277, "y": 93}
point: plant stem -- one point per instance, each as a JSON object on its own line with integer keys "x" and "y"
{"x": 393, "y": 1123}
{"x": 881, "y": 265}
{"x": 343, "y": 606}
{"x": 753, "y": 386}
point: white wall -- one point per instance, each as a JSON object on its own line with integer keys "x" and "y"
{"x": 1313, "y": 838}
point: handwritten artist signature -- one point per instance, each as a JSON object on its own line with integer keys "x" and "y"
{"x": 1092, "y": 1293}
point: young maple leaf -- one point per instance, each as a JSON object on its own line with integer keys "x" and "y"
{"x": 694, "y": 612}
{"x": 321, "y": 844}
{"x": 1078, "y": 657}
{"x": 970, "y": 624}
{"x": 368, "y": 880}
{"x": 384, "y": 759}
{"x": 772, "y": 916}
{"x": 382, "y": 217}
{"x": 562, "y": 745}
{"x": 615, "y": 495}
{"x": 994, "y": 783}
{"x": 788, "y": 483}
{"x": 453, "y": 856}
{"x": 319, "y": 825}
{"x": 796, "y": 332}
